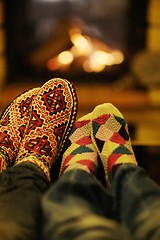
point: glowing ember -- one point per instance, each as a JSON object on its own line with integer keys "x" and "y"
{"x": 65, "y": 57}
{"x": 96, "y": 55}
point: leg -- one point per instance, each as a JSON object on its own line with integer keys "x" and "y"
{"x": 50, "y": 117}
{"x": 137, "y": 197}
{"x": 78, "y": 207}
{"x": 21, "y": 188}
{"x": 137, "y": 202}
{"x": 110, "y": 137}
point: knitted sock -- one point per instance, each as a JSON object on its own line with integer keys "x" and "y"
{"x": 12, "y": 125}
{"x": 109, "y": 133}
{"x": 52, "y": 115}
{"x": 80, "y": 152}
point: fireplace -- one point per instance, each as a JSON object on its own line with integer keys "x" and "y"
{"x": 82, "y": 40}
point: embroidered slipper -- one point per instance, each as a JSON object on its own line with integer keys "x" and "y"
{"x": 52, "y": 115}
{"x": 110, "y": 136}
{"x": 79, "y": 151}
{"x": 12, "y": 125}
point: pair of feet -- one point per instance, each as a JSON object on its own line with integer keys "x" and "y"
{"x": 35, "y": 126}
{"x": 102, "y": 134}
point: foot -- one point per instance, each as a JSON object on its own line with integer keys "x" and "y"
{"x": 52, "y": 115}
{"x": 80, "y": 152}
{"x": 12, "y": 125}
{"x": 110, "y": 136}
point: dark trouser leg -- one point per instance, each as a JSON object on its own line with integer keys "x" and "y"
{"x": 137, "y": 202}
{"x": 78, "y": 207}
{"x": 21, "y": 188}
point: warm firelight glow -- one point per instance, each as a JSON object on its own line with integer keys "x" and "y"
{"x": 103, "y": 58}
{"x": 118, "y": 57}
{"x": 52, "y": 64}
{"x": 81, "y": 43}
{"x": 92, "y": 66}
{"x": 98, "y": 60}
{"x": 65, "y": 57}
{"x": 96, "y": 55}
{"x": 74, "y": 30}
{"x": 86, "y": 66}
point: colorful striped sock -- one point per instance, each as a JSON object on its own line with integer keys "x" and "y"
{"x": 80, "y": 152}
{"x": 110, "y": 136}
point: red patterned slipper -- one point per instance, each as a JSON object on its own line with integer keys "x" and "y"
{"x": 53, "y": 113}
{"x": 12, "y": 125}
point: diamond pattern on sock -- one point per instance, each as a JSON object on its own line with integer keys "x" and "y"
{"x": 54, "y": 100}
{"x": 89, "y": 164}
{"x": 40, "y": 146}
{"x": 24, "y": 105}
{"x": 58, "y": 131}
{"x": 5, "y": 121}
{"x": 81, "y": 149}
{"x": 12, "y": 125}
{"x": 52, "y": 115}
{"x": 5, "y": 141}
{"x": 99, "y": 144}
{"x": 103, "y": 132}
{"x": 80, "y": 152}
{"x": 109, "y": 133}
{"x": 123, "y": 133}
{"x": 101, "y": 119}
{"x": 34, "y": 122}
{"x": 116, "y": 137}
{"x": 84, "y": 141}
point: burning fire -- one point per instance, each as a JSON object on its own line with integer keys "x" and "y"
{"x": 95, "y": 54}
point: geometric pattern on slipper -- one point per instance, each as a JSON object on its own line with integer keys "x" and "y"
{"x": 52, "y": 115}
{"x": 110, "y": 136}
{"x": 12, "y": 125}
{"x": 79, "y": 151}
